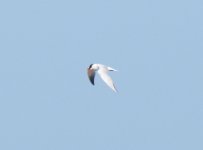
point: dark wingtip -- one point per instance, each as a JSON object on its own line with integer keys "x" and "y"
{"x": 92, "y": 81}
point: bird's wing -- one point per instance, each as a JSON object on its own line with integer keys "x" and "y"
{"x": 103, "y": 73}
{"x": 91, "y": 75}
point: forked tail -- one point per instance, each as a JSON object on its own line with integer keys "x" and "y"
{"x": 111, "y": 69}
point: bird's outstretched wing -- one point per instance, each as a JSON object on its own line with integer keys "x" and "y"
{"x": 91, "y": 75}
{"x": 107, "y": 79}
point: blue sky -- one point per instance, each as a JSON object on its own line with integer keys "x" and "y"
{"x": 47, "y": 102}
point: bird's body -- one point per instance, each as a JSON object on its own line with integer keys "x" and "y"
{"x": 102, "y": 70}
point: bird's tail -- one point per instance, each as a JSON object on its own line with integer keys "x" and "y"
{"x": 111, "y": 69}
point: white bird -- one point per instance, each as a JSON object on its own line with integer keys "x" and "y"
{"x": 103, "y": 73}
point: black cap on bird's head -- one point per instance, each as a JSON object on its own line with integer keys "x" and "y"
{"x": 90, "y": 66}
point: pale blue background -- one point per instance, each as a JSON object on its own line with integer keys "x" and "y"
{"x": 47, "y": 102}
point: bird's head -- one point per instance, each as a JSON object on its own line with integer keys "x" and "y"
{"x": 94, "y": 67}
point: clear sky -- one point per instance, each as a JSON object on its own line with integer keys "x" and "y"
{"x": 47, "y": 101}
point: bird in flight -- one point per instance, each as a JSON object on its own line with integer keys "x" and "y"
{"x": 102, "y": 70}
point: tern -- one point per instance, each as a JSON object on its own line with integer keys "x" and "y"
{"x": 102, "y": 70}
